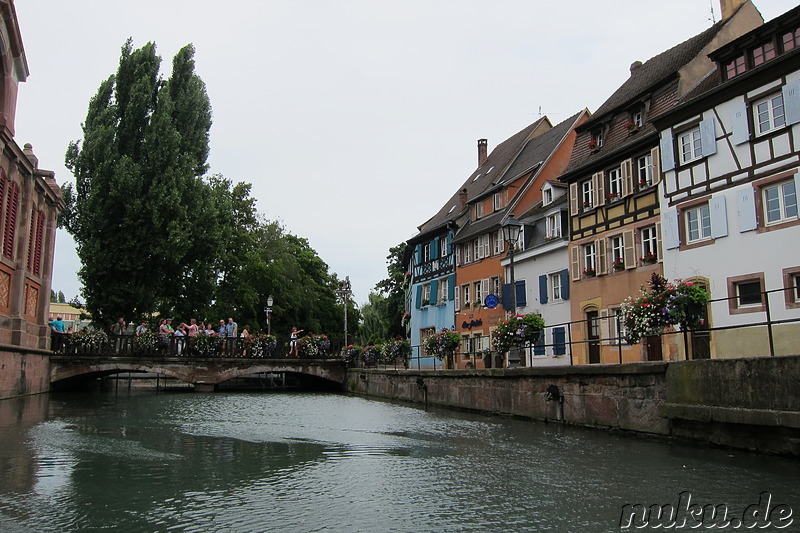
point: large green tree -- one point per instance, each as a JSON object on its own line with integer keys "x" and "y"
{"x": 392, "y": 289}
{"x": 140, "y": 210}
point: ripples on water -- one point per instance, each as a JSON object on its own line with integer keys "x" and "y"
{"x": 321, "y": 462}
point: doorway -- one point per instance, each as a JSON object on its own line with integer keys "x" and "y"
{"x": 593, "y": 335}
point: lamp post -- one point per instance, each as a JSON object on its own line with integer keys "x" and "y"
{"x": 344, "y": 291}
{"x": 511, "y": 229}
{"x": 268, "y": 311}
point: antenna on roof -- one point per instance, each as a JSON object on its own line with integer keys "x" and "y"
{"x": 713, "y": 18}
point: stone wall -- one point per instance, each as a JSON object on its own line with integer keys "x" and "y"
{"x": 23, "y": 371}
{"x": 744, "y": 403}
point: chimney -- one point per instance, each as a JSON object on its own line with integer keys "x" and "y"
{"x": 462, "y": 198}
{"x": 729, "y": 7}
{"x": 482, "y": 149}
{"x": 635, "y": 66}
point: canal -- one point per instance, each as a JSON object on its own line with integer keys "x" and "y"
{"x": 307, "y": 462}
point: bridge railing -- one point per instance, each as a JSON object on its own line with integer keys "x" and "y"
{"x": 200, "y": 346}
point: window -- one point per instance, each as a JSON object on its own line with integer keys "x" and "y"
{"x": 598, "y": 139}
{"x": 734, "y": 67}
{"x": 443, "y": 247}
{"x": 617, "y": 253}
{"x": 589, "y": 259}
{"x": 553, "y": 226}
{"x": 616, "y": 326}
{"x": 478, "y": 294}
{"x": 762, "y": 53}
{"x": 498, "y": 242}
{"x": 443, "y": 290}
{"x": 649, "y": 245}
{"x": 587, "y": 194}
{"x": 689, "y": 145}
{"x": 467, "y": 246}
{"x": 745, "y": 293}
{"x": 555, "y": 286}
{"x": 426, "y": 252}
{"x": 768, "y": 114}
{"x": 498, "y": 201}
{"x": 780, "y": 202}
{"x": 614, "y": 184}
{"x": 791, "y": 285}
{"x": 479, "y": 210}
{"x": 791, "y": 40}
{"x": 547, "y": 196}
{"x": 424, "y": 333}
{"x": 494, "y": 286}
{"x": 637, "y": 117}
{"x": 426, "y": 294}
{"x": 644, "y": 171}
{"x": 465, "y": 292}
{"x": 698, "y": 224}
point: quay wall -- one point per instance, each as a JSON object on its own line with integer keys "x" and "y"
{"x": 23, "y": 371}
{"x": 748, "y": 403}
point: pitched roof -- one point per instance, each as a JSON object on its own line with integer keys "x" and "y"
{"x": 483, "y": 176}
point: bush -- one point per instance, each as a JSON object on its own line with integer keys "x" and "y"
{"x": 516, "y": 331}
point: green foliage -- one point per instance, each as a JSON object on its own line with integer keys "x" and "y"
{"x": 442, "y": 343}
{"x": 516, "y": 331}
{"x": 392, "y": 291}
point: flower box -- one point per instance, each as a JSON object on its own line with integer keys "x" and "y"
{"x": 648, "y": 259}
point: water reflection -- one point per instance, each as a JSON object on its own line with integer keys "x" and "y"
{"x": 313, "y": 462}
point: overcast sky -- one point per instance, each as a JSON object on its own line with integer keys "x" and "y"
{"x": 354, "y": 120}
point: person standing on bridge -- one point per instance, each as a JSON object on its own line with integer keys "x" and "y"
{"x": 231, "y": 332}
{"x": 293, "y": 347}
{"x": 118, "y": 330}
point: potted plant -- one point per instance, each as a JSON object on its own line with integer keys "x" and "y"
{"x": 371, "y": 354}
{"x": 443, "y": 344}
{"x": 612, "y": 197}
{"x": 661, "y": 305}
{"x": 631, "y": 126}
{"x": 593, "y": 145}
{"x": 517, "y": 331}
{"x": 618, "y": 264}
{"x": 589, "y": 272}
{"x": 648, "y": 259}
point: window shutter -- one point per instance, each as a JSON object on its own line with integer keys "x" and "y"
{"x": 627, "y": 177}
{"x": 604, "y": 333}
{"x": 37, "y": 259}
{"x": 543, "y": 289}
{"x": 418, "y": 253}
{"x": 31, "y": 239}
{"x": 718, "y": 208}
{"x": 600, "y": 248}
{"x": 746, "y": 210}
{"x": 559, "y": 340}
{"x": 451, "y": 287}
{"x": 740, "y": 129}
{"x": 708, "y": 136}
{"x": 449, "y": 242}
{"x": 672, "y": 238}
{"x": 522, "y": 294}
{"x": 434, "y": 292}
{"x": 418, "y": 303}
{"x": 457, "y": 298}
{"x": 565, "y": 284}
{"x": 12, "y": 205}
{"x": 485, "y": 288}
{"x": 573, "y": 199}
{"x": 598, "y": 180}
{"x": 576, "y": 266}
{"x": 656, "y": 161}
{"x": 667, "y": 151}
{"x": 797, "y": 183}
{"x": 538, "y": 348}
{"x": 659, "y": 251}
{"x": 507, "y": 297}
{"x": 791, "y": 102}
{"x": 435, "y": 249}
{"x": 630, "y": 252}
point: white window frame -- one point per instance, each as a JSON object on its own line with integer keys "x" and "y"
{"x": 589, "y": 257}
{"x": 769, "y": 114}
{"x": 479, "y": 210}
{"x": 644, "y": 171}
{"x": 698, "y": 223}
{"x": 690, "y": 146}
{"x": 587, "y": 194}
{"x": 614, "y": 184}
{"x": 553, "y": 225}
{"x": 649, "y": 241}
{"x": 497, "y": 200}
{"x": 554, "y": 284}
{"x": 498, "y": 242}
{"x": 426, "y": 293}
{"x": 547, "y": 196}
{"x": 426, "y": 252}
{"x": 478, "y": 294}
{"x": 617, "y": 248}
{"x": 465, "y": 293}
{"x": 494, "y": 286}
{"x": 784, "y": 209}
{"x": 443, "y": 290}
{"x": 467, "y": 247}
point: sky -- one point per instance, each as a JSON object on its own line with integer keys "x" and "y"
{"x": 354, "y": 120}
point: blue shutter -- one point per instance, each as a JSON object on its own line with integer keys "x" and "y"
{"x": 708, "y": 136}
{"x": 538, "y": 348}
{"x": 419, "y": 297}
{"x": 740, "y": 129}
{"x": 418, "y": 253}
{"x": 672, "y": 238}
{"x": 449, "y": 243}
{"x": 434, "y": 292}
{"x": 791, "y": 102}
{"x": 565, "y": 284}
{"x": 451, "y": 287}
{"x": 435, "y": 249}
{"x": 559, "y": 341}
{"x": 718, "y": 210}
{"x": 746, "y": 209}
{"x": 507, "y": 296}
{"x": 543, "y": 289}
{"x": 522, "y": 297}
{"x": 667, "y": 151}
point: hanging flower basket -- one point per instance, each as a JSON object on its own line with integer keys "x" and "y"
{"x": 517, "y": 331}
{"x": 444, "y": 343}
{"x": 662, "y": 305}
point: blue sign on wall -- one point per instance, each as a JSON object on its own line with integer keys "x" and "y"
{"x": 491, "y": 301}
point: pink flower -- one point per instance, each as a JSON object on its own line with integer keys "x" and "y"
{"x": 689, "y": 284}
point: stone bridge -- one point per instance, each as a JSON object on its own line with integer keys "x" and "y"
{"x": 203, "y": 373}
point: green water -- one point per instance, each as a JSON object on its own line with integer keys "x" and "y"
{"x": 305, "y": 462}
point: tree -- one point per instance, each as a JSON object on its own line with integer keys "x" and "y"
{"x": 139, "y": 200}
{"x": 393, "y": 289}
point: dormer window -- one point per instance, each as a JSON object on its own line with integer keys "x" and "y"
{"x": 763, "y": 53}
{"x": 478, "y": 210}
{"x": 637, "y": 117}
{"x": 791, "y": 40}
{"x": 597, "y": 140}
{"x": 498, "y": 201}
{"x": 547, "y": 196}
{"x": 734, "y": 67}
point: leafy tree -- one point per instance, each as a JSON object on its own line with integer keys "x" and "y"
{"x": 139, "y": 199}
{"x": 375, "y": 324}
{"x": 393, "y": 289}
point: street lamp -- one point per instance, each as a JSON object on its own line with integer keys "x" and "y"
{"x": 511, "y": 229}
{"x": 268, "y": 311}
